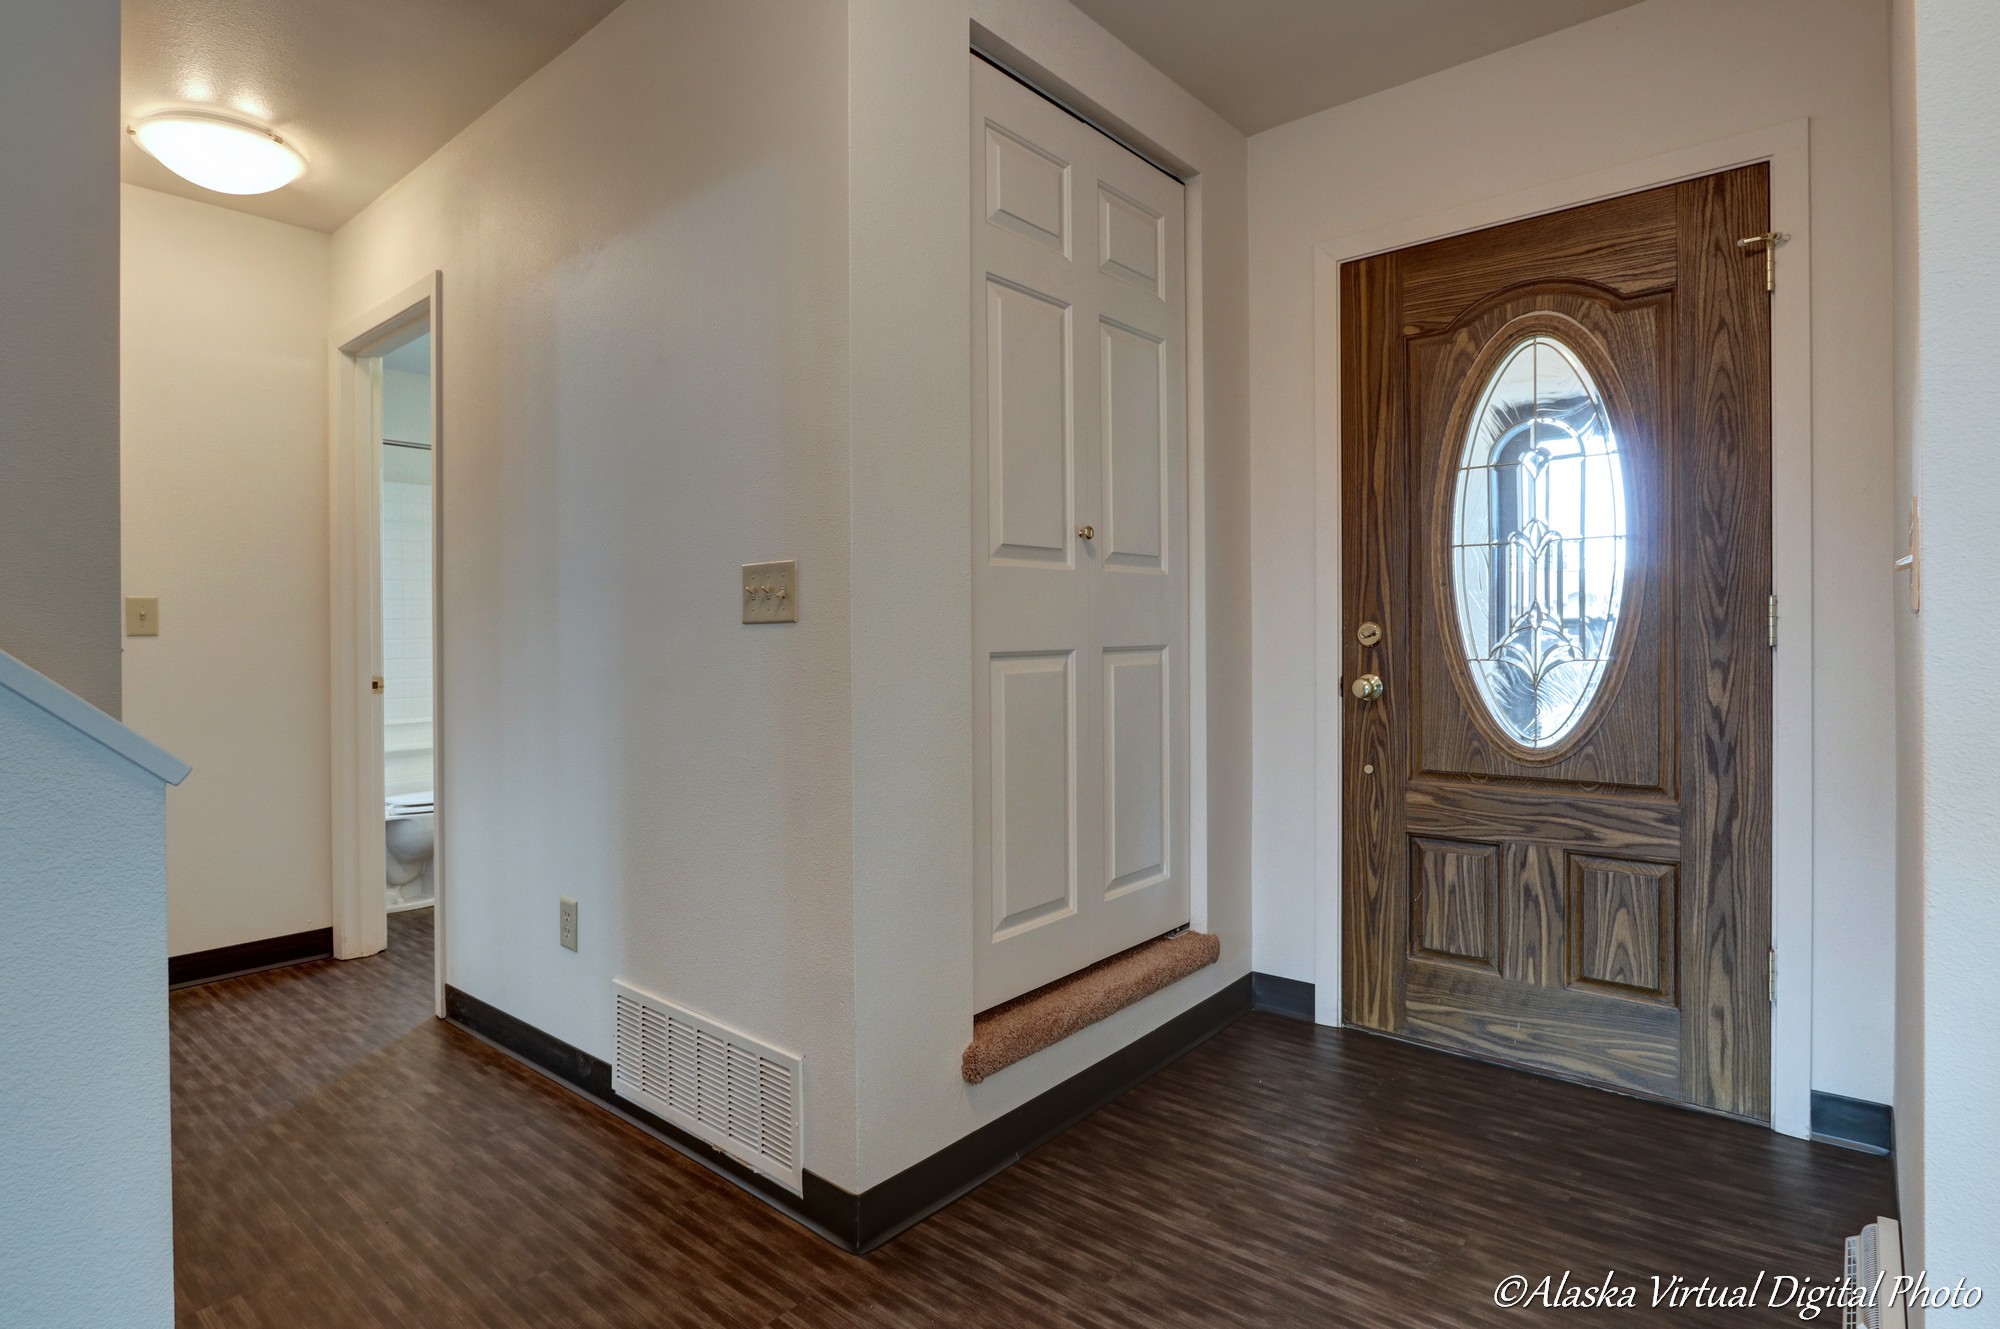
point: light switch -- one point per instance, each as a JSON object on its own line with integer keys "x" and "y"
{"x": 771, "y": 592}
{"x": 142, "y": 615}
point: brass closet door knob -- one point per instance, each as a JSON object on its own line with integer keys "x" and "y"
{"x": 1086, "y": 532}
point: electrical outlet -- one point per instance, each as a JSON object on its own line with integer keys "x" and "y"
{"x": 568, "y": 923}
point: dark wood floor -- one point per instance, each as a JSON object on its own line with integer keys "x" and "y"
{"x": 343, "y": 1159}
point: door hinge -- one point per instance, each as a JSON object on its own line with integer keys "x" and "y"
{"x": 1768, "y": 243}
{"x": 1771, "y": 624}
{"x": 1771, "y": 988}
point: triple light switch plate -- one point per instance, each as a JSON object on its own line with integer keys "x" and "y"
{"x": 771, "y": 592}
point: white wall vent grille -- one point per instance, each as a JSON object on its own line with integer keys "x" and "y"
{"x": 744, "y": 1097}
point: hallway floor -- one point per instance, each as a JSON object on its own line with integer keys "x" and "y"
{"x": 343, "y": 1159}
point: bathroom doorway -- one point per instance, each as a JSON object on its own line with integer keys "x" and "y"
{"x": 386, "y": 553}
{"x": 405, "y": 553}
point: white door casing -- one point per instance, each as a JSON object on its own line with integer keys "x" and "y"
{"x": 1080, "y": 642}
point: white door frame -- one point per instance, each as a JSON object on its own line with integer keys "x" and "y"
{"x": 1786, "y": 148}
{"x": 360, "y": 906}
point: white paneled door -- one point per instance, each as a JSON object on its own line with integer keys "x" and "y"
{"x": 1079, "y": 560}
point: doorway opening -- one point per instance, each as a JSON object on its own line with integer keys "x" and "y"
{"x": 406, "y": 553}
{"x": 388, "y": 801}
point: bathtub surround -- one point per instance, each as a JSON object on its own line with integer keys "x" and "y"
{"x": 406, "y": 608}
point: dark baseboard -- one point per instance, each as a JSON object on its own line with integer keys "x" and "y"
{"x": 863, "y": 1222}
{"x": 248, "y": 957}
{"x": 1854, "y": 1123}
{"x": 922, "y": 1189}
{"x": 1282, "y": 996}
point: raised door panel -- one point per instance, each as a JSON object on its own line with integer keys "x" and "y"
{"x": 1135, "y": 448}
{"x": 1030, "y": 434}
{"x": 1033, "y": 783}
{"x": 1454, "y": 900}
{"x": 1027, "y": 189}
{"x": 1132, "y": 240}
{"x": 1138, "y": 819}
{"x": 1621, "y": 927}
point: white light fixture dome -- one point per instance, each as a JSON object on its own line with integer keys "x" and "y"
{"x": 217, "y": 152}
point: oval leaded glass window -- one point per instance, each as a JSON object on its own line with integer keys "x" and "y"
{"x": 1539, "y": 542}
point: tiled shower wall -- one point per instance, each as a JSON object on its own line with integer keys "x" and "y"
{"x": 406, "y": 618}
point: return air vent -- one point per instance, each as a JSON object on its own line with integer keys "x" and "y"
{"x": 1874, "y": 1278}
{"x": 740, "y": 1095}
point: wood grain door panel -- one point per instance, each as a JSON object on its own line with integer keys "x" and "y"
{"x": 1592, "y": 902}
{"x": 1585, "y": 1036}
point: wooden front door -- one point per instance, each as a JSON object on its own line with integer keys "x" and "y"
{"x": 1556, "y": 480}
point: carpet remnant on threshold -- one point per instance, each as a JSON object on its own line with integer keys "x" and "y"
{"x": 1035, "y": 1020}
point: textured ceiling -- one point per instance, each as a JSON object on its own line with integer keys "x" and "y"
{"x": 366, "y": 89}
{"x": 1260, "y": 63}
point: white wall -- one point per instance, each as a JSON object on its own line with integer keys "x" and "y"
{"x": 646, "y": 372}
{"x": 1957, "y": 1061}
{"x": 642, "y": 349}
{"x": 59, "y": 341}
{"x": 86, "y": 1221}
{"x": 1663, "y": 75}
{"x": 224, "y": 409}
{"x": 1909, "y": 1120}
{"x": 909, "y": 127}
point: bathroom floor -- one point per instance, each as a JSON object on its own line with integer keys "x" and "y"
{"x": 344, "y": 1159}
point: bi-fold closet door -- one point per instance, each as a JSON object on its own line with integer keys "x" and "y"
{"x": 1079, "y": 558}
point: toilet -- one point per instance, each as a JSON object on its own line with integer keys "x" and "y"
{"x": 409, "y": 834}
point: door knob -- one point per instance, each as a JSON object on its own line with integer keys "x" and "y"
{"x": 1086, "y": 532}
{"x": 1368, "y": 687}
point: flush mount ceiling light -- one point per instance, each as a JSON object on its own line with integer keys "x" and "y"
{"x": 220, "y": 153}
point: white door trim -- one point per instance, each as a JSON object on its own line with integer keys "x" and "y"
{"x": 1787, "y": 148}
{"x": 360, "y": 912}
